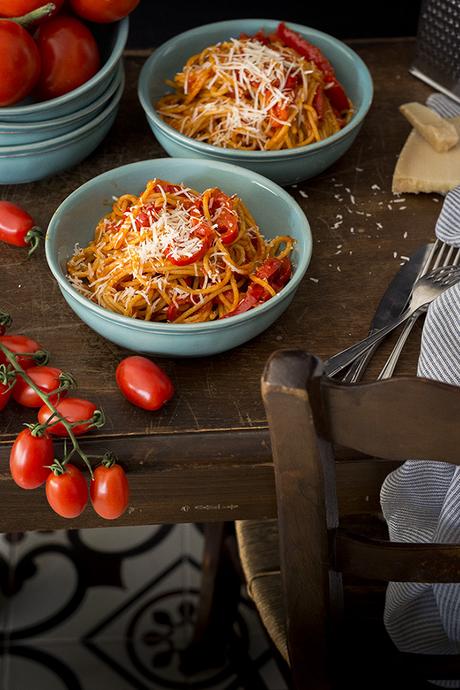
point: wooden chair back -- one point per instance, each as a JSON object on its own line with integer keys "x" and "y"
{"x": 384, "y": 422}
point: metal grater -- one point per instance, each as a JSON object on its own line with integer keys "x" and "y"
{"x": 437, "y": 59}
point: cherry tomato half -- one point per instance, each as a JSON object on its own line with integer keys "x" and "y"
{"x": 47, "y": 380}
{"x": 73, "y": 410}
{"x": 103, "y": 11}
{"x": 69, "y": 56}
{"x": 67, "y": 493}
{"x": 18, "y": 8}
{"x": 5, "y": 395}
{"x": 19, "y": 344}
{"x": 143, "y": 383}
{"x": 109, "y": 491}
{"x": 17, "y": 227}
{"x": 19, "y": 63}
{"x": 30, "y": 459}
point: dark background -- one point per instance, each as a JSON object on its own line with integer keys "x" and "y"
{"x": 153, "y": 22}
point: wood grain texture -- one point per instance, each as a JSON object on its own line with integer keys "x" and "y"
{"x": 221, "y": 394}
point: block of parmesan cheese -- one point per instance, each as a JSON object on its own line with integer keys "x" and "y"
{"x": 437, "y": 130}
{"x": 422, "y": 169}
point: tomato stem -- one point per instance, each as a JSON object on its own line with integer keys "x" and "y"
{"x": 34, "y": 16}
{"x": 5, "y": 321}
{"x": 96, "y": 419}
{"x": 33, "y": 237}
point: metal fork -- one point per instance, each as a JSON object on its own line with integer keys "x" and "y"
{"x": 426, "y": 289}
{"x": 451, "y": 258}
{"x": 356, "y": 370}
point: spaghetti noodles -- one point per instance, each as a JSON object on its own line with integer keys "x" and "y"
{"x": 257, "y": 93}
{"x": 175, "y": 255}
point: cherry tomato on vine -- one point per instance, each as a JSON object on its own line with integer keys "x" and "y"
{"x": 5, "y": 395}
{"x": 73, "y": 410}
{"x": 103, "y": 11}
{"x": 143, "y": 383}
{"x": 18, "y": 8}
{"x": 30, "y": 459}
{"x": 69, "y": 56}
{"x": 19, "y": 63}
{"x": 17, "y": 227}
{"x": 67, "y": 492}
{"x": 47, "y": 380}
{"x": 19, "y": 344}
{"x": 109, "y": 491}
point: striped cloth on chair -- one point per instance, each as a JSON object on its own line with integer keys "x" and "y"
{"x": 421, "y": 501}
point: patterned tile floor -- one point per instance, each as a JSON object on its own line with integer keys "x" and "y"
{"x": 113, "y": 608}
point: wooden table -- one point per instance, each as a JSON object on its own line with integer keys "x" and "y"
{"x": 206, "y": 455}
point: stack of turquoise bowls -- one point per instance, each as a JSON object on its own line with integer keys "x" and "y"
{"x": 40, "y": 139}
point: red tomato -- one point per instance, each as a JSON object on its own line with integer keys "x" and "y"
{"x": 109, "y": 491}
{"x": 18, "y": 8}
{"x": 19, "y": 344}
{"x": 143, "y": 383}
{"x": 103, "y": 11}
{"x": 67, "y": 493}
{"x": 47, "y": 380}
{"x": 19, "y": 63}
{"x": 30, "y": 459}
{"x": 73, "y": 410}
{"x": 17, "y": 227}
{"x": 69, "y": 56}
{"x": 5, "y": 395}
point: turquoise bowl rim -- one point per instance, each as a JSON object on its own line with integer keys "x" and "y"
{"x": 122, "y": 29}
{"x": 59, "y": 142}
{"x": 13, "y": 127}
{"x": 165, "y": 328}
{"x": 155, "y": 59}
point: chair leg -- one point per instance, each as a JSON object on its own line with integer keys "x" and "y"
{"x": 218, "y": 604}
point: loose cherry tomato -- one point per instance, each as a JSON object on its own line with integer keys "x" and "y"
{"x": 19, "y": 63}
{"x": 30, "y": 459}
{"x": 73, "y": 410}
{"x": 143, "y": 383}
{"x": 69, "y": 56}
{"x": 103, "y": 11}
{"x": 17, "y": 227}
{"x": 17, "y": 8}
{"x": 5, "y": 395}
{"x": 109, "y": 491}
{"x": 19, "y": 344}
{"x": 67, "y": 493}
{"x": 47, "y": 380}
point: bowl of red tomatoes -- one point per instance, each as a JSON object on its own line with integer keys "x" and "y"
{"x": 61, "y": 80}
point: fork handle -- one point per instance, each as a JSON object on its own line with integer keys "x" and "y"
{"x": 339, "y": 361}
{"x": 390, "y": 364}
{"x": 357, "y": 368}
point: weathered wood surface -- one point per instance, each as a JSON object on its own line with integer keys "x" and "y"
{"x": 209, "y": 446}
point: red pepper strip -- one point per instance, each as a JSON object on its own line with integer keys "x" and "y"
{"x": 261, "y": 37}
{"x": 337, "y": 96}
{"x": 292, "y": 82}
{"x": 274, "y": 271}
{"x": 204, "y": 231}
{"x": 292, "y": 39}
{"x": 227, "y": 219}
{"x": 172, "y": 312}
{"x": 318, "y": 102}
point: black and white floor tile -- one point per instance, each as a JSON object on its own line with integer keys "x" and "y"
{"x": 113, "y": 608}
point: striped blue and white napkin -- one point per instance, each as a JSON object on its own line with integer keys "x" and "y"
{"x": 421, "y": 500}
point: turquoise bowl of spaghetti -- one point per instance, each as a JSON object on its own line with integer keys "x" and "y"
{"x": 286, "y": 166}
{"x": 274, "y": 210}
